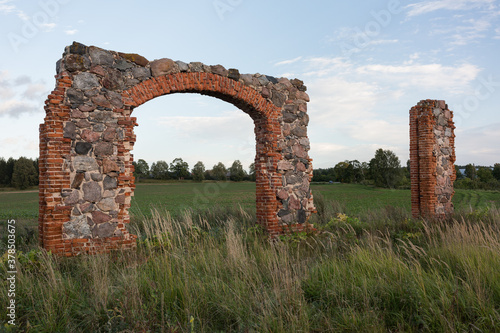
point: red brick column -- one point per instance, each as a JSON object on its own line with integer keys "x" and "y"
{"x": 432, "y": 157}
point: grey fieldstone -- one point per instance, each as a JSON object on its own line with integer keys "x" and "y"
{"x": 92, "y": 192}
{"x": 104, "y": 230}
{"x": 77, "y": 62}
{"x": 97, "y": 177}
{"x": 83, "y": 123}
{"x": 272, "y": 79}
{"x": 77, "y": 228}
{"x": 100, "y": 217}
{"x": 123, "y": 65}
{"x": 219, "y": 70}
{"x": 85, "y": 81}
{"x": 69, "y": 130}
{"x": 141, "y": 73}
{"x": 77, "y": 181}
{"x": 75, "y": 96}
{"x": 100, "y": 57}
{"x": 107, "y": 204}
{"x": 183, "y": 67}
{"x": 195, "y": 66}
{"x": 278, "y": 98}
{"x": 103, "y": 149}
{"x": 113, "y": 80}
{"x": 87, "y": 207}
{"x": 99, "y": 127}
{"x": 300, "y": 131}
{"x": 109, "y": 183}
{"x": 72, "y": 198}
{"x": 82, "y": 148}
{"x": 289, "y": 117}
{"x": 233, "y": 74}
{"x": 163, "y": 67}
{"x": 84, "y": 163}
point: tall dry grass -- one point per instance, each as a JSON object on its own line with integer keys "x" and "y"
{"x": 216, "y": 271}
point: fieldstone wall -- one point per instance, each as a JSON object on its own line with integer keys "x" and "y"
{"x": 86, "y": 171}
{"x": 432, "y": 158}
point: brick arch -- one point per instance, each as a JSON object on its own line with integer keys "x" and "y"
{"x": 86, "y": 171}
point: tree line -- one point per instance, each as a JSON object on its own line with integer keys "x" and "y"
{"x": 478, "y": 177}
{"x": 179, "y": 169}
{"x": 21, "y": 173}
{"x": 383, "y": 170}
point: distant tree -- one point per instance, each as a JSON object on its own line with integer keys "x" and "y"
{"x": 24, "y": 174}
{"x": 251, "y": 175}
{"x": 179, "y": 168}
{"x": 236, "y": 171}
{"x": 141, "y": 169}
{"x": 6, "y": 171}
{"x": 159, "y": 170}
{"x": 470, "y": 171}
{"x": 496, "y": 171}
{"x": 458, "y": 173}
{"x": 358, "y": 171}
{"x": 484, "y": 174}
{"x": 385, "y": 169}
{"x": 3, "y": 171}
{"x": 344, "y": 171}
{"x": 35, "y": 164}
{"x": 219, "y": 171}
{"x": 208, "y": 175}
{"x": 198, "y": 171}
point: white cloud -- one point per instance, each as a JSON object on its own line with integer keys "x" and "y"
{"x": 7, "y": 8}
{"x": 287, "y": 62}
{"x": 497, "y": 32}
{"x": 47, "y": 27}
{"x": 425, "y": 7}
{"x": 20, "y": 95}
{"x": 237, "y": 127}
{"x": 451, "y": 79}
{"x": 478, "y": 145}
{"x": 15, "y": 108}
{"x": 70, "y": 31}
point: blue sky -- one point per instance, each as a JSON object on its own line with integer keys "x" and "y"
{"x": 365, "y": 63}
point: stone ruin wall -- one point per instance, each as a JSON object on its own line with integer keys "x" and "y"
{"x": 432, "y": 158}
{"x": 86, "y": 171}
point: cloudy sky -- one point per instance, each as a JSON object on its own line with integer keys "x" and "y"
{"x": 365, "y": 63}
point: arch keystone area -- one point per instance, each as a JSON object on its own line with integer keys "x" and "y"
{"x": 85, "y": 163}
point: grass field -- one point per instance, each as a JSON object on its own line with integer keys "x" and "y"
{"x": 176, "y": 197}
{"x": 207, "y": 268}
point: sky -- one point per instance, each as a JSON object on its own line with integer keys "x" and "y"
{"x": 365, "y": 64}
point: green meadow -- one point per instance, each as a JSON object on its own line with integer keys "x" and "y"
{"x": 202, "y": 265}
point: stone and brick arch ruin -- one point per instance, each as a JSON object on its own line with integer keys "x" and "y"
{"x": 85, "y": 163}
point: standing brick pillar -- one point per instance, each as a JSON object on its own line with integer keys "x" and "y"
{"x": 432, "y": 158}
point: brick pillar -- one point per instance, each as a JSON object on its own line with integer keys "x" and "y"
{"x": 432, "y": 158}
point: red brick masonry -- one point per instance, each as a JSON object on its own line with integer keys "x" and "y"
{"x": 432, "y": 158}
